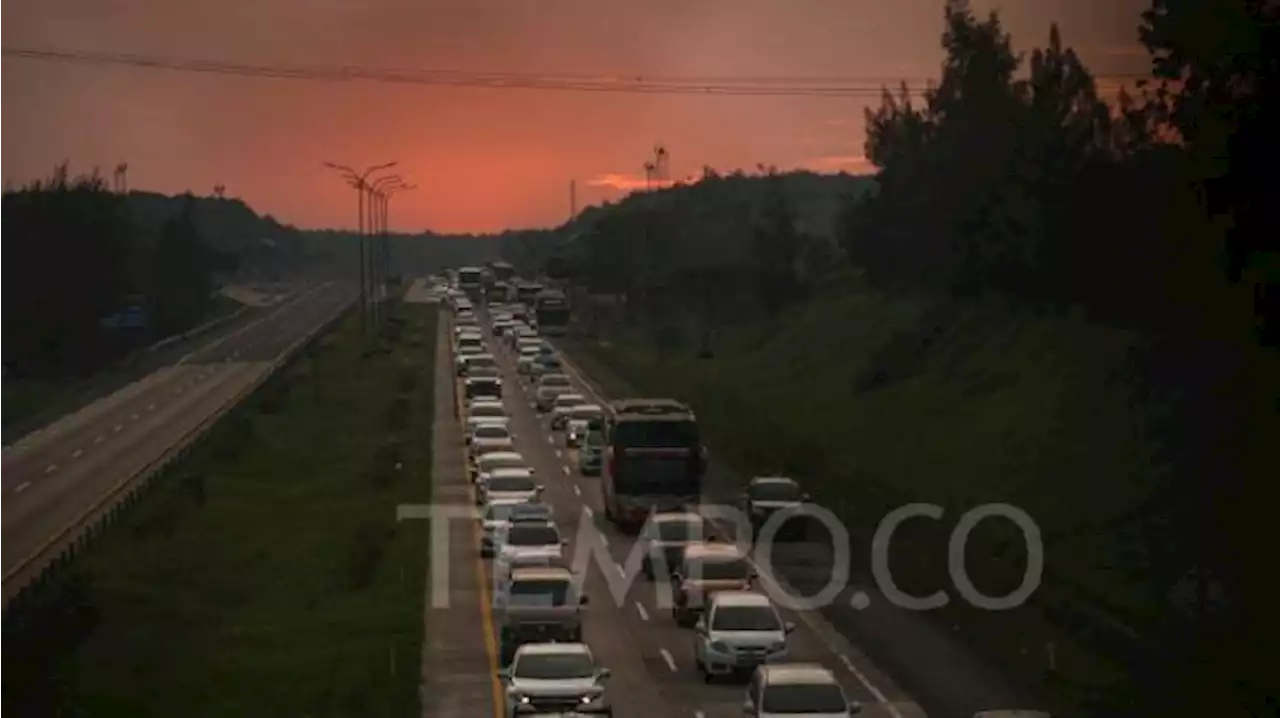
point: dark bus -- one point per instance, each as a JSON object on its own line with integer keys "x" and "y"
{"x": 552, "y": 311}
{"x": 471, "y": 281}
{"x": 654, "y": 460}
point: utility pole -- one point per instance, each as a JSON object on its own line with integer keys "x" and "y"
{"x": 654, "y": 169}
{"x": 359, "y": 180}
{"x": 573, "y": 199}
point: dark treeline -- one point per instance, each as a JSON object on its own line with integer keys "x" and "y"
{"x": 1014, "y": 178}
{"x": 77, "y": 257}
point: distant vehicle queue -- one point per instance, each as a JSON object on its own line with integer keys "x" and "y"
{"x": 651, "y": 460}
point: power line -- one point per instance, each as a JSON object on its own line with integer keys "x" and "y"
{"x": 781, "y": 86}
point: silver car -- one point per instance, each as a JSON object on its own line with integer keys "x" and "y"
{"x": 784, "y": 690}
{"x": 531, "y": 540}
{"x": 555, "y": 676}
{"x": 511, "y": 484}
{"x": 549, "y": 387}
{"x": 741, "y": 630}
{"x": 579, "y": 423}
{"x": 562, "y": 407}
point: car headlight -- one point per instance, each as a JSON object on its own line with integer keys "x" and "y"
{"x": 719, "y": 646}
{"x": 779, "y": 646}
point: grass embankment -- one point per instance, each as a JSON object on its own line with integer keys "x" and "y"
{"x": 268, "y": 576}
{"x": 875, "y": 403}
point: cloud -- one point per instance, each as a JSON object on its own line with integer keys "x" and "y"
{"x": 854, "y": 164}
{"x": 625, "y": 182}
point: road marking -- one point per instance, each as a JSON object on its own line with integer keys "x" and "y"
{"x": 117, "y": 427}
{"x": 559, "y": 455}
{"x": 22, "y": 487}
{"x": 76, "y": 454}
{"x": 605, "y": 540}
{"x": 551, "y": 440}
{"x": 587, "y": 510}
{"x": 151, "y": 407}
{"x": 644, "y": 615}
{"x": 565, "y": 470}
{"x": 97, "y": 439}
{"x": 133, "y": 417}
{"x": 666, "y": 656}
{"x": 50, "y": 468}
{"x": 577, "y": 491}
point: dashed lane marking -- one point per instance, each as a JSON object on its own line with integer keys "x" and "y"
{"x": 50, "y": 468}
{"x": 77, "y": 453}
{"x": 22, "y": 487}
{"x": 666, "y": 656}
{"x": 644, "y": 615}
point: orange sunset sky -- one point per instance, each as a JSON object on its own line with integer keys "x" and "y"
{"x": 483, "y": 159}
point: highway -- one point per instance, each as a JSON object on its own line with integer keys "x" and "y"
{"x": 53, "y": 477}
{"x": 651, "y": 658}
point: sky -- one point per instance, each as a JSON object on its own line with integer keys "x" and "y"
{"x": 482, "y": 159}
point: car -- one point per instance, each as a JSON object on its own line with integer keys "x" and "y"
{"x": 550, "y": 386}
{"x": 466, "y": 346}
{"x": 494, "y": 520}
{"x": 502, "y": 325}
{"x": 476, "y": 387}
{"x": 706, "y": 568}
{"x": 547, "y": 363}
{"x": 784, "y": 690}
{"x": 580, "y": 420}
{"x": 766, "y": 496}
{"x": 591, "y": 454}
{"x": 531, "y": 539}
{"x": 494, "y": 428}
{"x": 739, "y": 631}
{"x": 664, "y": 537}
{"x": 486, "y": 464}
{"x": 538, "y": 604}
{"x": 531, "y": 511}
{"x": 525, "y": 365}
{"x": 562, "y": 406}
{"x": 557, "y": 676}
{"x": 468, "y": 361}
{"x": 485, "y": 410}
{"x": 489, "y": 438}
{"x": 507, "y": 484}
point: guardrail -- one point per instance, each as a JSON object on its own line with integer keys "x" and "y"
{"x": 24, "y": 582}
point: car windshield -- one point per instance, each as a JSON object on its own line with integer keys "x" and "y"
{"x": 488, "y": 410}
{"x": 804, "y": 698}
{"x": 532, "y": 511}
{"x": 506, "y": 461}
{"x": 533, "y": 535}
{"x": 655, "y": 433}
{"x": 687, "y": 530}
{"x": 492, "y": 431}
{"x": 775, "y": 491}
{"x": 745, "y": 618}
{"x": 511, "y": 483}
{"x": 540, "y": 592}
{"x": 487, "y": 372}
{"x": 564, "y": 401}
{"x": 498, "y": 512}
{"x": 469, "y": 346}
{"x": 552, "y": 666}
{"x": 718, "y": 570}
{"x": 481, "y": 360}
{"x": 586, "y": 412}
{"x": 555, "y": 380}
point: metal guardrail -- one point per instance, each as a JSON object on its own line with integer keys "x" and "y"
{"x": 41, "y": 565}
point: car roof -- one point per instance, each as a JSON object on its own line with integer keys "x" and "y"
{"x": 540, "y": 522}
{"x": 570, "y": 395}
{"x": 553, "y": 649}
{"x": 793, "y": 673}
{"x": 541, "y": 573}
{"x": 485, "y": 355}
{"x": 556, "y": 376}
{"x": 490, "y": 422}
{"x": 741, "y": 598}
{"x": 773, "y": 480}
{"x": 503, "y": 455}
{"x": 674, "y": 516}
{"x": 487, "y": 402}
{"x": 713, "y": 550}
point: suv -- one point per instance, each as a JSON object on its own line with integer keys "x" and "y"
{"x": 555, "y": 676}
{"x": 706, "y": 568}
{"x": 664, "y": 538}
{"x": 538, "y": 605}
{"x": 549, "y": 387}
{"x": 741, "y": 630}
{"x": 797, "y": 689}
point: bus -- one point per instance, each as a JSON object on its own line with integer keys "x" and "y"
{"x": 551, "y": 308}
{"x": 502, "y": 271}
{"x": 471, "y": 281}
{"x": 654, "y": 460}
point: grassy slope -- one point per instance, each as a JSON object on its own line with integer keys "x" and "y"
{"x": 290, "y": 590}
{"x": 875, "y": 403}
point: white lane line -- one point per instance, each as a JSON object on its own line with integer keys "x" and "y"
{"x": 50, "y": 468}
{"x": 565, "y": 471}
{"x": 97, "y": 439}
{"x": 577, "y": 491}
{"x": 77, "y": 453}
{"x": 618, "y": 566}
{"x": 22, "y": 487}
{"x": 666, "y": 656}
{"x": 133, "y": 417}
{"x": 551, "y": 440}
{"x": 586, "y": 509}
{"x": 605, "y": 540}
{"x": 559, "y": 454}
{"x": 151, "y": 407}
{"x": 117, "y": 427}
{"x": 866, "y": 683}
{"x": 644, "y": 615}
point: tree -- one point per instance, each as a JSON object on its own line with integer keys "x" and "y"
{"x": 181, "y": 279}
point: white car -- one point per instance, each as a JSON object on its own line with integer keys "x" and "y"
{"x": 740, "y": 630}
{"x": 472, "y": 361}
{"x": 549, "y": 387}
{"x": 508, "y": 484}
{"x": 494, "y": 520}
{"x": 532, "y": 540}
{"x": 486, "y": 433}
{"x": 557, "y": 677}
{"x": 579, "y": 423}
{"x": 496, "y": 445}
{"x": 489, "y": 411}
{"x": 797, "y": 690}
{"x": 561, "y": 408}
{"x": 526, "y": 364}
{"x": 487, "y": 464}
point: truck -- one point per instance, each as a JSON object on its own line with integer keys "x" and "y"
{"x": 471, "y": 281}
{"x": 654, "y": 459}
{"x": 527, "y": 292}
{"x": 538, "y": 604}
{"x": 498, "y": 293}
{"x": 551, "y": 307}
{"x": 502, "y": 271}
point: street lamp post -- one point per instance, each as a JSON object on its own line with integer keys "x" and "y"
{"x": 359, "y": 180}
{"x": 378, "y": 239}
{"x": 386, "y": 195}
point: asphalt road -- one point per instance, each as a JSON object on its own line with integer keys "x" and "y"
{"x": 651, "y": 658}
{"x": 53, "y": 477}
